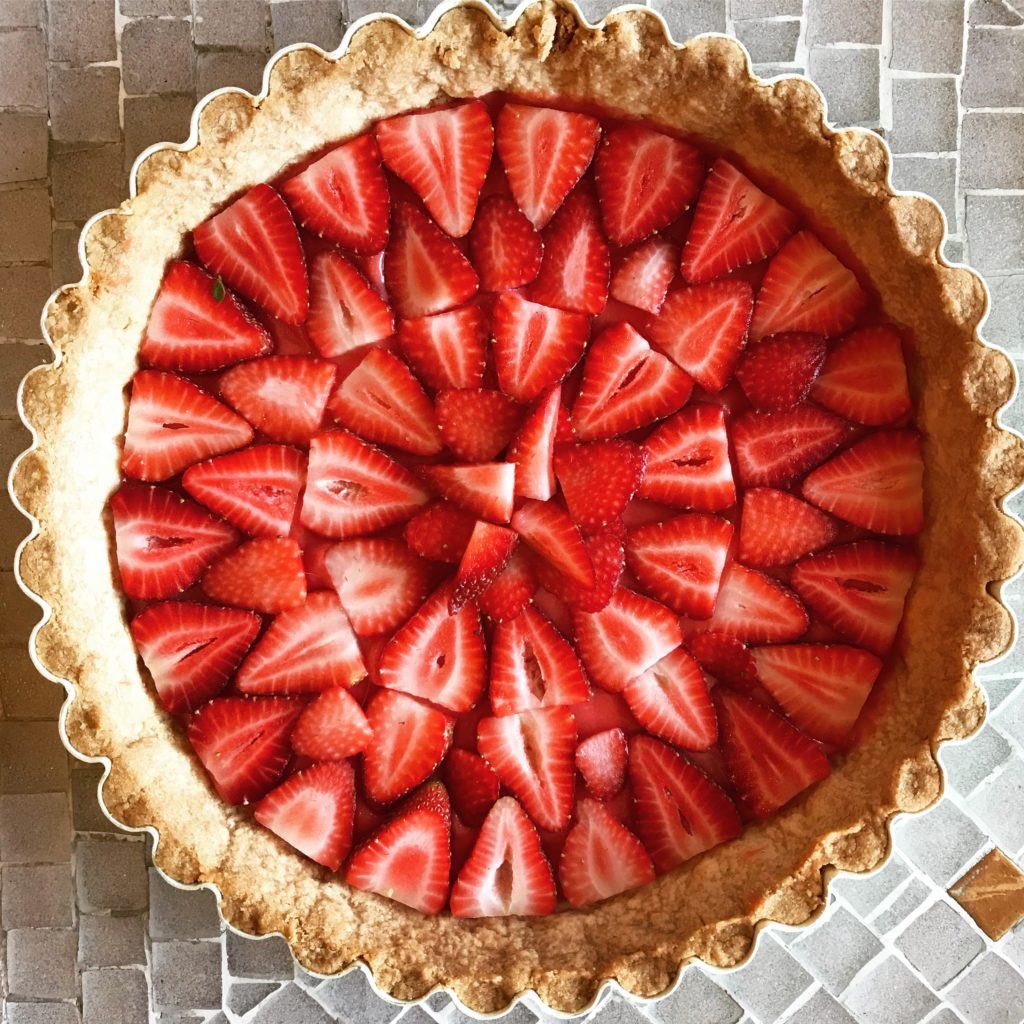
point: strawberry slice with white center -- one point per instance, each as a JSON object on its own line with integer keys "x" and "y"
{"x": 806, "y": 288}
{"x": 671, "y": 701}
{"x": 353, "y": 488}
{"x": 266, "y": 574}
{"x": 643, "y": 276}
{"x": 769, "y": 761}
{"x": 254, "y": 246}
{"x": 284, "y": 397}
{"x": 821, "y": 687}
{"x": 489, "y": 549}
{"x": 626, "y": 385}
{"x": 476, "y": 423}
{"x": 305, "y": 650}
{"x": 343, "y": 196}
{"x": 425, "y": 271}
{"x": 858, "y": 589}
{"x": 734, "y": 224}
{"x": 172, "y": 423}
{"x": 444, "y": 156}
{"x": 625, "y": 638}
{"x": 549, "y": 530}
{"x": 535, "y": 346}
{"x": 472, "y": 784}
{"x": 877, "y": 484}
{"x": 703, "y": 329}
{"x": 726, "y": 658}
{"x": 688, "y": 461}
{"x": 598, "y": 479}
{"x": 755, "y": 609}
{"x": 505, "y": 246}
{"x": 606, "y": 550}
{"x": 196, "y": 325}
{"x": 680, "y": 812}
{"x": 544, "y": 153}
{"x": 680, "y": 561}
{"x": 192, "y": 650}
{"x": 513, "y": 589}
{"x": 438, "y": 655}
{"x": 345, "y": 312}
{"x": 865, "y": 377}
{"x": 774, "y": 448}
{"x": 486, "y": 489}
{"x": 243, "y": 743}
{"x": 332, "y": 727}
{"x": 533, "y": 666}
{"x": 440, "y": 532}
{"x": 644, "y": 180}
{"x": 381, "y": 401}
{"x": 163, "y": 542}
{"x": 409, "y": 858}
{"x": 778, "y": 372}
{"x": 447, "y": 350}
{"x": 574, "y": 273}
{"x": 256, "y": 489}
{"x": 314, "y": 812}
{"x": 601, "y": 760}
{"x": 533, "y": 449}
{"x": 777, "y": 528}
{"x": 379, "y": 581}
{"x": 533, "y": 752}
{"x": 601, "y": 857}
{"x": 507, "y": 872}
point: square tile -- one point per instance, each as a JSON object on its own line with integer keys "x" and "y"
{"x": 999, "y": 807}
{"x": 889, "y": 994}
{"x": 927, "y": 35}
{"x": 940, "y": 841}
{"x": 181, "y": 913}
{"x": 968, "y": 764}
{"x": 769, "y": 982}
{"x": 697, "y": 999}
{"x": 23, "y": 69}
{"x": 41, "y": 964}
{"x": 992, "y": 892}
{"x": 321, "y": 22}
{"x": 924, "y": 114}
{"x": 991, "y": 992}
{"x": 769, "y": 41}
{"x": 935, "y": 176}
{"x": 47, "y": 839}
{"x": 26, "y": 145}
{"x": 992, "y": 150}
{"x": 849, "y": 79}
{"x": 295, "y": 1006}
{"x": 114, "y": 995}
{"x": 836, "y": 949}
{"x": 865, "y": 892}
{"x": 821, "y": 1008}
{"x": 906, "y": 902}
{"x": 36, "y": 896}
{"x": 187, "y": 975}
{"x": 242, "y": 24}
{"x": 25, "y": 215}
{"x": 157, "y": 56}
{"x": 84, "y": 104}
{"x": 111, "y": 875}
{"x": 81, "y": 31}
{"x": 32, "y": 757}
{"x": 939, "y": 943}
{"x": 107, "y": 941}
{"x": 995, "y": 232}
{"x": 994, "y": 72}
{"x": 691, "y": 18}
{"x": 844, "y": 21}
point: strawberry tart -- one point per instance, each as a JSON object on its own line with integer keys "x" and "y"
{"x": 524, "y": 525}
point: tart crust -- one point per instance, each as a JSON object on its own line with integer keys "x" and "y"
{"x": 711, "y": 907}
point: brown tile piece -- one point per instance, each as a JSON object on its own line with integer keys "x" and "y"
{"x": 992, "y": 892}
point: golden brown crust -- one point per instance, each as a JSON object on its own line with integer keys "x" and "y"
{"x": 711, "y": 907}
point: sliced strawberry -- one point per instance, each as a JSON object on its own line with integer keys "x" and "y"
{"x": 513, "y": 589}
{"x": 532, "y": 752}
{"x": 266, "y": 574}
{"x": 734, "y": 224}
{"x": 726, "y": 658}
{"x": 163, "y": 542}
{"x": 409, "y": 858}
{"x": 379, "y": 581}
{"x": 172, "y": 423}
{"x": 343, "y": 196}
{"x": 778, "y": 372}
{"x": 345, "y": 312}
{"x": 820, "y": 687}
{"x": 507, "y": 872}
{"x": 472, "y": 785}
{"x": 601, "y": 760}
{"x": 438, "y": 655}
{"x": 777, "y": 528}
{"x": 533, "y": 449}
{"x": 643, "y": 276}
{"x": 865, "y": 377}
{"x": 545, "y": 153}
{"x": 774, "y": 448}
{"x": 574, "y": 273}
{"x": 314, "y": 812}
{"x": 769, "y": 761}
{"x": 535, "y": 346}
{"x": 680, "y": 561}
{"x": 688, "y": 461}
{"x": 410, "y": 739}
{"x": 191, "y": 650}
{"x": 877, "y": 484}
{"x": 603, "y": 711}
{"x": 254, "y": 246}
{"x": 424, "y": 269}
{"x": 486, "y": 489}
{"x": 489, "y": 549}
{"x": 606, "y": 550}
{"x": 447, "y": 350}
{"x": 332, "y": 727}
{"x": 680, "y": 812}
{"x": 806, "y": 289}
{"x": 305, "y": 650}
{"x": 859, "y": 589}
{"x": 256, "y": 489}
{"x": 703, "y": 329}
{"x": 754, "y": 608}
{"x": 547, "y": 528}
{"x": 565, "y": 432}
{"x": 644, "y": 181}
{"x": 243, "y": 743}
{"x": 625, "y": 639}
{"x": 598, "y": 479}
{"x": 196, "y": 326}
{"x": 440, "y": 532}
{"x": 353, "y": 488}
{"x": 475, "y": 424}
{"x": 505, "y": 246}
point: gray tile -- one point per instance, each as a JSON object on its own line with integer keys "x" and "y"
{"x": 404, "y": 9}
{"x": 293, "y": 1005}
{"x": 1010, "y": 719}
{"x": 844, "y": 21}
{"x": 352, "y": 1001}
{"x": 849, "y": 80}
{"x": 111, "y": 875}
{"x": 246, "y": 996}
{"x": 216, "y": 69}
{"x": 267, "y": 959}
{"x": 769, "y": 982}
{"x": 84, "y": 104}
{"x": 864, "y": 893}
{"x": 836, "y": 949}
{"x": 152, "y": 119}
{"x": 889, "y": 994}
{"x": 241, "y": 24}
{"x": 767, "y": 8}
{"x": 181, "y": 913}
{"x": 157, "y": 56}
{"x": 106, "y": 941}
{"x": 1013, "y": 947}
{"x": 156, "y": 8}
{"x": 25, "y": 215}
{"x": 940, "y": 943}
{"x": 36, "y": 896}
{"x": 940, "y": 842}
{"x": 81, "y": 31}
{"x": 84, "y": 802}
{"x": 43, "y": 1013}
{"x": 991, "y": 992}
{"x": 114, "y": 995}
{"x": 994, "y": 74}
{"x": 992, "y": 150}
{"x": 774, "y": 70}
{"x": 23, "y": 60}
{"x": 21, "y": 14}
{"x": 35, "y": 828}
{"x": 968, "y": 764}
{"x": 697, "y": 1000}
{"x": 65, "y": 266}
{"x": 927, "y": 35}
{"x": 999, "y": 806}
{"x": 187, "y": 975}
{"x": 771, "y": 41}
{"x": 321, "y": 22}
{"x": 87, "y": 180}
{"x": 924, "y": 115}
{"x": 32, "y": 757}
{"x": 691, "y": 18}
{"x": 935, "y": 176}
{"x": 26, "y": 143}
{"x": 41, "y": 964}
{"x": 821, "y": 1008}
{"x": 893, "y": 916}
{"x": 989, "y": 12}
